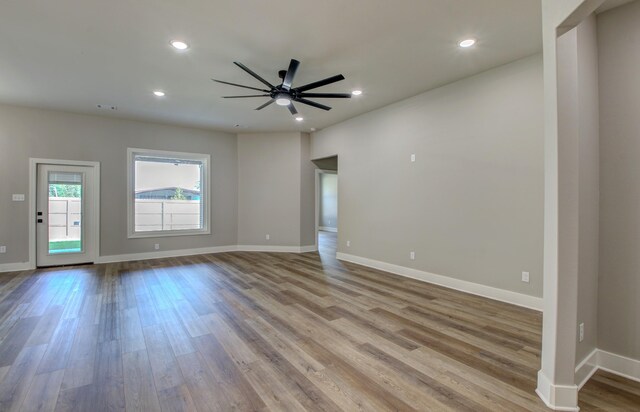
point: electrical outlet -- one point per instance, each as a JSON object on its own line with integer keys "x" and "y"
{"x": 412, "y": 255}
{"x": 348, "y": 243}
{"x": 413, "y": 157}
{"x": 3, "y": 249}
{"x": 268, "y": 237}
{"x": 156, "y": 246}
{"x": 525, "y": 277}
{"x": 581, "y": 328}
{"x": 17, "y": 197}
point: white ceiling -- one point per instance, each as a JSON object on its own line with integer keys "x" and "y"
{"x": 75, "y": 54}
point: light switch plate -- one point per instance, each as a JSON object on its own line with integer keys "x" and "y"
{"x": 3, "y": 249}
{"x": 18, "y": 197}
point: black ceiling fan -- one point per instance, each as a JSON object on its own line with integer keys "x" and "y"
{"x": 284, "y": 94}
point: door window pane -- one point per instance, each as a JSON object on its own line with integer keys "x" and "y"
{"x": 65, "y": 212}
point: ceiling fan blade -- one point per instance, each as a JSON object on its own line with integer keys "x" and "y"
{"x": 314, "y": 104}
{"x": 327, "y": 95}
{"x": 291, "y": 72}
{"x": 320, "y": 83}
{"x": 292, "y": 109}
{"x": 252, "y": 95}
{"x": 266, "y": 104}
{"x": 248, "y": 70}
{"x": 239, "y": 85}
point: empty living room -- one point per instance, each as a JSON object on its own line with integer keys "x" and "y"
{"x": 362, "y": 205}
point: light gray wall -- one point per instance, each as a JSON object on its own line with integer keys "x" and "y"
{"x": 619, "y": 286}
{"x": 307, "y": 193}
{"x": 471, "y": 205}
{"x": 589, "y": 191}
{"x": 26, "y": 133}
{"x": 271, "y": 200}
{"x": 329, "y": 200}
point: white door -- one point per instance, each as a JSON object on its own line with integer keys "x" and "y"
{"x": 64, "y": 213}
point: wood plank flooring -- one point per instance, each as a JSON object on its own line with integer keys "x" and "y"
{"x": 266, "y": 331}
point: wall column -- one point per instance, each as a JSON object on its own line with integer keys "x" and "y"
{"x": 556, "y": 378}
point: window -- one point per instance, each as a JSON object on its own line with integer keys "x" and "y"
{"x": 168, "y": 193}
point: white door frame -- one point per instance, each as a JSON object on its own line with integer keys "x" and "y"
{"x": 95, "y": 221}
{"x": 318, "y": 195}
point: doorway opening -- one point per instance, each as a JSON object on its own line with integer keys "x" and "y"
{"x": 64, "y": 205}
{"x": 327, "y": 205}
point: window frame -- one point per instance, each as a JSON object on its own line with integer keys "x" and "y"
{"x": 205, "y": 187}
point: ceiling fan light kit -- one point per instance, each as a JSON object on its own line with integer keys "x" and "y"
{"x": 283, "y": 100}
{"x": 285, "y": 94}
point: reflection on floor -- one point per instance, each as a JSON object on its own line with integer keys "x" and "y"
{"x": 327, "y": 244}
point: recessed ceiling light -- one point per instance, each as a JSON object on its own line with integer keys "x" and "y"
{"x": 158, "y": 93}
{"x": 356, "y": 92}
{"x": 313, "y": 129}
{"x": 299, "y": 118}
{"x": 467, "y": 43}
{"x": 180, "y": 45}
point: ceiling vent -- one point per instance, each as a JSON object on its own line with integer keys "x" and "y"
{"x": 106, "y": 107}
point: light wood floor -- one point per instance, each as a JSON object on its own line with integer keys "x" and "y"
{"x": 266, "y": 331}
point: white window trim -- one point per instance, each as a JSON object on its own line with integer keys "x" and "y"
{"x": 205, "y": 188}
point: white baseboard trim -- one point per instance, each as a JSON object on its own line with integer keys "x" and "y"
{"x": 164, "y": 254}
{"x": 586, "y": 368}
{"x": 620, "y": 365}
{"x": 308, "y": 249}
{"x": 329, "y": 229}
{"x": 610, "y": 362}
{"x": 276, "y": 249}
{"x": 502, "y": 295}
{"x": 15, "y": 267}
{"x": 557, "y": 397}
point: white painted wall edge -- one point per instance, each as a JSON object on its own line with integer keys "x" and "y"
{"x": 285, "y": 249}
{"x": 586, "y": 368}
{"x": 620, "y": 365}
{"x": 599, "y": 359}
{"x": 519, "y": 299}
{"x": 204, "y": 251}
{"x": 15, "y": 267}
{"x": 165, "y": 254}
{"x": 329, "y": 229}
{"x": 557, "y": 397}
